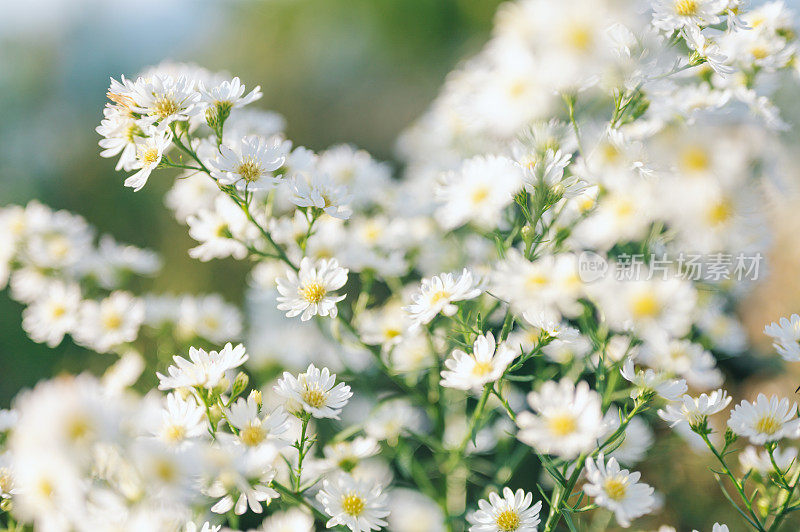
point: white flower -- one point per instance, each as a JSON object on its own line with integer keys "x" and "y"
{"x": 250, "y": 162}
{"x": 320, "y": 192}
{"x": 243, "y": 477}
{"x": 694, "y": 411}
{"x": 478, "y": 192}
{"x": 511, "y": 513}
{"x": 53, "y": 314}
{"x": 718, "y": 527}
{"x": 670, "y": 15}
{"x": 203, "y": 368}
{"x": 149, "y": 151}
{"x": 786, "y": 336}
{"x": 315, "y": 392}
{"x": 618, "y": 490}
{"x": 227, "y": 95}
{"x": 307, "y": 292}
{"x": 292, "y": 520}
{"x": 164, "y": 99}
{"x": 181, "y": 420}
{"x": 752, "y": 459}
{"x": 393, "y": 418}
{"x": 360, "y": 506}
{"x": 347, "y": 455}
{"x": 255, "y": 428}
{"x": 222, "y": 231}
{"x": 411, "y": 511}
{"x": 437, "y": 294}
{"x": 648, "y": 380}
{"x": 119, "y": 131}
{"x": 765, "y": 420}
{"x": 486, "y": 364}
{"x": 567, "y": 419}
{"x": 106, "y": 324}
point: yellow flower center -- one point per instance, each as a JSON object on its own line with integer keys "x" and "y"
{"x": 150, "y": 156}
{"x": 353, "y": 505}
{"x": 57, "y": 310}
{"x": 165, "y": 106}
{"x": 579, "y": 37}
{"x": 314, "y": 397}
{"x": 695, "y": 159}
{"x": 253, "y": 435}
{"x": 78, "y": 428}
{"x": 313, "y": 292}
{"x": 686, "y": 8}
{"x": 517, "y": 89}
{"x": 508, "y": 521}
{"x": 768, "y": 425}
{"x": 481, "y": 368}
{"x": 438, "y": 296}
{"x": 536, "y": 280}
{"x": 175, "y": 433}
{"x": 719, "y": 213}
{"x": 480, "y": 194}
{"x": 645, "y": 306}
{"x": 392, "y": 332}
{"x": 250, "y": 170}
{"x": 112, "y": 321}
{"x": 562, "y": 424}
{"x": 615, "y": 489}
{"x": 165, "y": 471}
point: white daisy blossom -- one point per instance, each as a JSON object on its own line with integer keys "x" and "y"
{"x": 478, "y": 192}
{"x": 511, "y": 513}
{"x": 243, "y": 477}
{"x": 227, "y": 95}
{"x": 164, "y": 99}
{"x": 253, "y": 427}
{"x": 203, "y": 369}
{"x": 321, "y": 192}
{"x": 314, "y": 392}
{"x": 649, "y": 380}
{"x": 786, "y": 336}
{"x": 360, "y": 506}
{"x": 53, "y": 314}
{"x": 718, "y": 527}
{"x": 181, "y": 420}
{"x": 765, "y": 420}
{"x": 149, "y": 152}
{"x": 437, "y": 294}
{"x": 566, "y": 421}
{"x": 250, "y": 162}
{"x": 486, "y": 364}
{"x": 104, "y": 325}
{"x": 618, "y": 490}
{"x": 695, "y": 410}
{"x": 307, "y": 292}
{"x": 292, "y": 520}
{"x": 670, "y": 15}
{"x": 753, "y": 459}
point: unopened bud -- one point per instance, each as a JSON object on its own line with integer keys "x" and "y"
{"x": 255, "y": 395}
{"x": 240, "y": 383}
{"x": 730, "y": 437}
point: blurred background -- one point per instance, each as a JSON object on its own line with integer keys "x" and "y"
{"x": 354, "y": 71}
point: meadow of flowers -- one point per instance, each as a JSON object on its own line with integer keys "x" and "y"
{"x": 490, "y": 338}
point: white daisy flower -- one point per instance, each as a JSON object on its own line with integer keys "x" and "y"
{"x": 292, "y": 520}
{"x": 203, "y": 368}
{"x": 670, "y": 15}
{"x": 181, "y": 420}
{"x": 427, "y": 514}
{"x": 250, "y": 162}
{"x": 315, "y": 392}
{"x": 567, "y": 419}
{"x": 478, "y": 192}
{"x": 149, "y": 151}
{"x": 645, "y": 381}
{"x": 437, "y": 294}
{"x": 694, "y": 411}
{"x": 360, "y": 506}
{"x": 511, "y": 513}
{"x": 106, "y": 324}
{"x": 120, "y": 131}
{"x": 486, "y": 364}
{"x": 307, "y": 292}
{"x": 164, "y": 99}
{"x": 618, "y": 490}
{"x": 319, "y": 191}
{"x": 718, "y": 527}
{"x": 227, "y": 95}
{"x": 346, "y": 455}
{"x": 753, "y": 459}
{"x": 255, "y": 428}
{"x": 786, "y": 336}
{"x": 53, "y": 314}
{"x": 242, "y": 477}
{"x": 765, "y": 420}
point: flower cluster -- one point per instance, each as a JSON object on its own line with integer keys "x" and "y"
{"x": 495, "y": 383}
